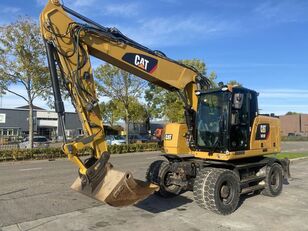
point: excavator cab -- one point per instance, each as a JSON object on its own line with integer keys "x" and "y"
{"x": 224, "y": 119}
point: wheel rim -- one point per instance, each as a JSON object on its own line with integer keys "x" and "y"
{"x": 275, "y": 180}
{"x": 226, "y": 192}
{"x": 169, "y": 187}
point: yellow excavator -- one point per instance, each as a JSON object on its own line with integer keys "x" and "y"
{"x": 219, "y": 153}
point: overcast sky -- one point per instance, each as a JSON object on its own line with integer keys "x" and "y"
{"x": 262, "y": 44}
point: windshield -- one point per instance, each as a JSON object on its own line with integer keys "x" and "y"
{"x": 118, "y": 137}
{"x": 39, "y": 139}
{"x": 212, "y": 114}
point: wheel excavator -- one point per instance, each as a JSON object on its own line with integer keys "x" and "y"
{"x": 219, "y": 153}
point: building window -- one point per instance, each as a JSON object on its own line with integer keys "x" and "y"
{"x": 80, "y": 132}
{"x": 10, "y": 132}
{"x": 69, "y": 132}
{"x": 16, "y": 132}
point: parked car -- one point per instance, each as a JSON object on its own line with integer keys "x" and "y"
{"x": 115, "y": 140}
{"x": 38, "y": 142}
{"x": 136, "y": 138}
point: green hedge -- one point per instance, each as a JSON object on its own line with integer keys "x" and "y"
{"x": 294, "y": 138}
{"x": 118, "y": 149}
{"x": 52, "y": 153}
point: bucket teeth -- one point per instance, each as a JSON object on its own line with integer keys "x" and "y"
{"x": 116, "y": 188}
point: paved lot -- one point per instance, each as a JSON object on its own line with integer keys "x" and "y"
{"x": 35, "y": 195}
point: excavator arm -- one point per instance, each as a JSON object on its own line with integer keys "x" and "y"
{"x": 69, "y": 45}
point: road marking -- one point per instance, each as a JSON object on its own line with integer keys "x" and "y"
{"x": 29, "y": 169}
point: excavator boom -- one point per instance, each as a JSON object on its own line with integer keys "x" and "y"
{"x": 69, "y": 45}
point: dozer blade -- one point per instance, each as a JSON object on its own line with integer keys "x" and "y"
{"x": 117, "y": 188}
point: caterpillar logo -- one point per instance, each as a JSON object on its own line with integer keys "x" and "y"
{"x": 168, "y": 137}
{"x": 143, "y": 62}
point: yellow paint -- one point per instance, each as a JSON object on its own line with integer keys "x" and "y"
{"x": 168, "y": 74}
{"x": 178, "y": 144}
{"x": 55, "y": 26}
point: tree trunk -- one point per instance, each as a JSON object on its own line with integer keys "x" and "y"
{"x": 30, "y": 124}
{"x": 126, "y": 125}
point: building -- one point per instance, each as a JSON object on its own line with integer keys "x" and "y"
{"x": 14, "y": 124}
{"x": 143, "y": 128}
{"x": 296, "y": 124}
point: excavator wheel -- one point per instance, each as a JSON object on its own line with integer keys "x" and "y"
{"x": 217, "y": 190}
{"x": 158, "y": 173}
{"x": 273, "y": 180}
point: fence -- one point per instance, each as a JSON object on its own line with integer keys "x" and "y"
{"x": 8, "y": 146}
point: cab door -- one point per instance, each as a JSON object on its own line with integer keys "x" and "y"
{"x": 243, "y": 113}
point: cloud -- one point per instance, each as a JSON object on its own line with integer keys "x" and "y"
{"x": 288, "y": 106}
{"x": 280, "y": 101}
{"x": 9, "y": 10}
{"x": 174, "y": 30}
{"x": 252, "y": 65}
{"x": 121, "y": 9}
{"x": 41, "y": 2}
{"x": 96, "y": 8}
{"x": 82, "y": 3}
{"x": 76, "y": 4}
{"x": 283, "y": 11}
{"x": 284, "y": 93}
{"x": 282, "y": 109}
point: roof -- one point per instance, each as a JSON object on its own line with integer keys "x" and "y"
{"x": 34, "y": 107}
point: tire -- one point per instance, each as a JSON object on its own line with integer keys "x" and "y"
{"x": 217, "y": 190}
{"x": 273, "y": 180}
{"x": 156, "y": 174}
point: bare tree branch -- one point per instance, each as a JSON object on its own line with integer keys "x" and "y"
{"x": 6, "y": 89}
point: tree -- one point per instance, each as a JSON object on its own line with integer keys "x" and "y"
{"x": 22, "y": 63}
{"x": 120, "y": 86}
{"x": 212, "y": 77}
{"x": 154, "y": 97}
{"x": 234, "y": 83}
{"x": 292, "y": 113}
{"x": 201, "y": 67}
{"x": 113, "y": 110}
{"x": 161, "y": 102}
{"x": 110, "y": 112}
{"x": 137, "y": 111}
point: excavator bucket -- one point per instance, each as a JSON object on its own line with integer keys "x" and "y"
{"x": 117, "y": 188}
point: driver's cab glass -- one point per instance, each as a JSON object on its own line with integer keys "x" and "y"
{"x": 240, "y": 121}
{"x": 211, "y": 119}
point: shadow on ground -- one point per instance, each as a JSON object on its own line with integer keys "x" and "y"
{"x": 257, "y": 193}
{"x": 156, "y": 204}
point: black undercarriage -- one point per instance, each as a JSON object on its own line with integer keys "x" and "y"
{"x": 217, "y": 185}
{"x": 183, "y": 170}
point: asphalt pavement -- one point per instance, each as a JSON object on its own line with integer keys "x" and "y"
{"x": 35, "y": 195}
